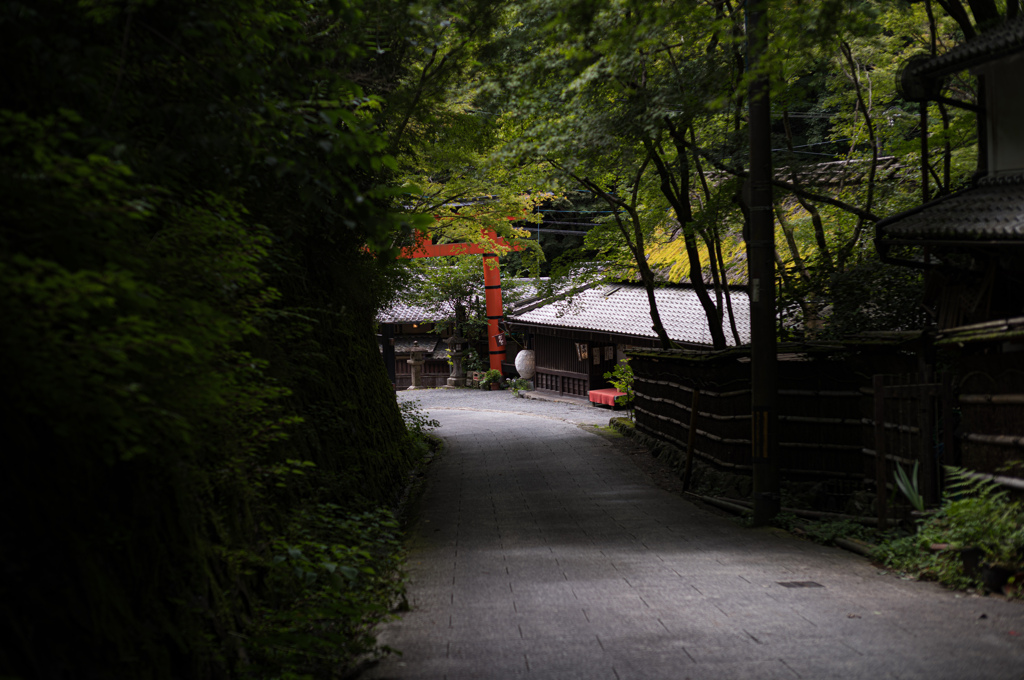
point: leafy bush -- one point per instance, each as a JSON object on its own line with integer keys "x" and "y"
{"x": 334, "y": 575}
{"x": 418, "y": 424}
{"x": 977, "y": 514}
{"x": 187, "y": 196}
{"x": 472, "y": 361}
{"x": 621, "y": 378}
{"x": 518, "y": 385}
{"x": 491, "y": 377}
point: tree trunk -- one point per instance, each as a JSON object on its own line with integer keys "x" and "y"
{"x": 679, "y": 198}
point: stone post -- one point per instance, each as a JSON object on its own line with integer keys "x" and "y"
{"x": 458, "y": 376}
{"x": 415, "y": 366}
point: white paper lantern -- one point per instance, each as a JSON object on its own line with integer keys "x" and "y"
{"x": 526, "y": 363}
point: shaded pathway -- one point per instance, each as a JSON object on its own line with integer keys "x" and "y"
{"x": 542, "y": 553}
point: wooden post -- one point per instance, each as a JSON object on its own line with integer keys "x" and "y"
{"x": 923, "y": 113}
{"x": 882, "y": 492}
{"x": 761, "y": 264}
{"x": 929, "y": 473}
{"x": 690, "y": 437}
{"x": 950, "y": 454}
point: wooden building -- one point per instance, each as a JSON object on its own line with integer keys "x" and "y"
{"x": 578, "y": 339}
{"x": 400, "y": 327}
{"x": 970, "y": 245}
{"x": 402, "y": 324}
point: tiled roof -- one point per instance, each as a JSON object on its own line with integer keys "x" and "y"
{"x": 402, "y": 312}
{"x": 993, "y": 210}
{"x": 998, "y": 42}
{"x": 847, "y": 172}
{"x": 623, "y": 309}
{"x": 841, "y": 173}
{"x": 432, "y": 346}
{"x": 427, "y": 343}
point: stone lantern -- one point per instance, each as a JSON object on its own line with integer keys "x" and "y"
{"x": 455, "y": 353}
{"x": 415, "y": 366}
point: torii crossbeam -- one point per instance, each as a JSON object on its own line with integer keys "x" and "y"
{"x": 492, "y": 278}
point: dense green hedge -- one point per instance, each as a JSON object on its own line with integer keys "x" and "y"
{"x": 198, "y": 430}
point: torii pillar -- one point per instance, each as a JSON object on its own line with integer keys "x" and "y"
{"x": 492, "y": 280}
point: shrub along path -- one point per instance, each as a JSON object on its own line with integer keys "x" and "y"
{"x": 542, "y": 552}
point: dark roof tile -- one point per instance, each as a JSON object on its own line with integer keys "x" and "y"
{"x": 998, "y": 42}
{"x": 992, "y": 210}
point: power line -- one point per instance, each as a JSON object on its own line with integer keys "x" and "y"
{"x": 575, "y": 211}
{"x": 571, "y": 224}
{"x": 540, "y": 230}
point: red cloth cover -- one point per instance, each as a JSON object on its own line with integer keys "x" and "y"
{"x": 605, "y": 396}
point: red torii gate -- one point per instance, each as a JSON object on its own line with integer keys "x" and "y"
{"x": 492, "y": 278}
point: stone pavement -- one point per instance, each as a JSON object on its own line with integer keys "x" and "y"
{"x": 541, "y": 552}
{"x": 575, "y": 410}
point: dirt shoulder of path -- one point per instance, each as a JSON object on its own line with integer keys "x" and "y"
{"x": 660, "y": 474}
{"x": 657, "y": 471}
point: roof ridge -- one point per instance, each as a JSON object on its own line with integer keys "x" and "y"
{"x": 997, "y": 42}
{"x": 1003, "y": 180}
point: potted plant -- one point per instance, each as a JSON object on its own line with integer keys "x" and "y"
{"x": 491, "y": 380}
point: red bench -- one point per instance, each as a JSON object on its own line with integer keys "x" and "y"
{"x": 606, "y": 396}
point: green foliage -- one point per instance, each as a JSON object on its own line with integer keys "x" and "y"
{"x": 645, "y": 110}
{"x": 198, "y": 207}
{"x": 190, "y": 196}
{"x": 976, "y": 514}
{"x": 451, "y": 291}
{"x": 621, "y": 378}
{"x": 472, "y": 361}
{"x": 824, "y": 532}
{"x": 334, "y": 575}
{"x": 518, "y": 385}
{"x": 416, "y": 421}
{"x": 451, "y": 288}
{"x": 909, "y": 487}
{"x": 492, "y": 377}
{"x": 599, "y": 100}
{"x": 874, "y": 296}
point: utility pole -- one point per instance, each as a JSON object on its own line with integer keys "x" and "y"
{"x": 761, "y": 260}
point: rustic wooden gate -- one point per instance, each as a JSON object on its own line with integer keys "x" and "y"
{"x": 913, "y": 422}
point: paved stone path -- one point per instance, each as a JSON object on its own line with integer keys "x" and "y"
{"x": 541, "y": 552}
{"x": 568, "y": 409}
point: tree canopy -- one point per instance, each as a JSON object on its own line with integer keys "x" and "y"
{"x": 644, "y": 104}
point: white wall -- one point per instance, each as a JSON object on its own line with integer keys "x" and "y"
{"x": 1004, "y": 82}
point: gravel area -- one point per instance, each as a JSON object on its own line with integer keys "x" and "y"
{"x": 466, "y": 399}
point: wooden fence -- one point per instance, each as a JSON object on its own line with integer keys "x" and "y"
{"x": 819, "y": 409}
{"x": 435, "y": 373}
{"x": 842, "y": 415}
{"x": 910, "y": 425}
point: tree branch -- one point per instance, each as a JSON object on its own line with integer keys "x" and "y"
{"x": 812, "y": 210}
{"x": 788, "y": 186}
{"x": 847, "y": 249}
{"x": 956, "y": 10}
